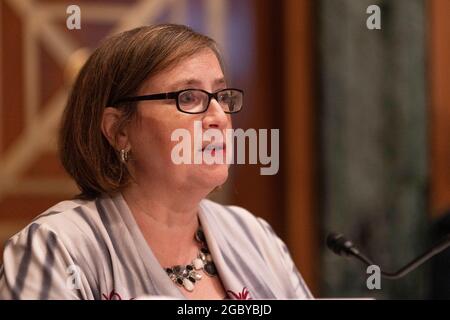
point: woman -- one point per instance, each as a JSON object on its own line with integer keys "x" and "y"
{"x": 141, "y": 225}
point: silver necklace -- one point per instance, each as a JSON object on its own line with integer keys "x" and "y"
{"x": 186, "y": 276}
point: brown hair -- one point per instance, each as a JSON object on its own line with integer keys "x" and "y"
{"x": 116, "y": 69}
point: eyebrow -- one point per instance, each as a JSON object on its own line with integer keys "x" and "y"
{"x": 194, "y": 82}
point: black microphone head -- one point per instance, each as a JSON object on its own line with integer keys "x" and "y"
{"x": 332, "y": 242}
{"x": 337, "y": 243}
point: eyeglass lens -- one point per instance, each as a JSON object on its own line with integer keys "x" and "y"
{"x": 197, "y": 100}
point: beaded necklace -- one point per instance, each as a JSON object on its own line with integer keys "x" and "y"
{"x": 186, "y": 276}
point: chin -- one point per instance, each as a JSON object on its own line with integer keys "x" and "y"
{"x": 213, "y": 176}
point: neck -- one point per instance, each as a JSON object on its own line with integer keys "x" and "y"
{"x": 168, "y": 220}
{"x": 167, "y": 207}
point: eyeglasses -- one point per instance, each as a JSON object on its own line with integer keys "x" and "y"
{"x": 196, "y": 100}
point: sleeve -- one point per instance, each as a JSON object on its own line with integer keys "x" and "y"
{"x": 36, "y": 265}
{"x": 301, "y": 289}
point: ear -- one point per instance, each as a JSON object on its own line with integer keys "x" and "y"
{"x": 117, "y": 139}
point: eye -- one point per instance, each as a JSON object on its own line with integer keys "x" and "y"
{"x": 226, "y": 97}
{"x": 188, "y": 98}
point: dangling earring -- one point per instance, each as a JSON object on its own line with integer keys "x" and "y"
{"x": 124, "y": 155}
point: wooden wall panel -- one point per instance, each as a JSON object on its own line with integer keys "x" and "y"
{"x": 262, "y": 194}
{"x": 301, "y": 138}
{"x": 439, "y": 79}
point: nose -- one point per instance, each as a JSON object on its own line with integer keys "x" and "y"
{"x": 215, "y": 117}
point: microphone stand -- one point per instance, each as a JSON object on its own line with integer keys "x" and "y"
{"x": 341, "y": 246}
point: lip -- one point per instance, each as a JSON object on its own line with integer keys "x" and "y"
{"x": 214, "y": 147}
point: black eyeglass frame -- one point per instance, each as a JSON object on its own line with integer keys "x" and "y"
{"x": 175, "y": 94}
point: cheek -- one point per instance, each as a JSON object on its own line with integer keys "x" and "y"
{"x": 153, "y": 136}
{"x": 146, "y": 137}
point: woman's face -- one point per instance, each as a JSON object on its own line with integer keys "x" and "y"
{"x": 150, "y": 135}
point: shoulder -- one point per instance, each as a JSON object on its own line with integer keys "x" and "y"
{"x": 246, "y": 233}
{"x": 238, "y": 220}
{"x": 65, "y": 221}
{"x": 243, "y": 229}
{"x": 45, "y": 252}
{"x": 228, "y": 213}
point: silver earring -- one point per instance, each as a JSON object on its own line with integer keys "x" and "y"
{"x": 124, "y": 155}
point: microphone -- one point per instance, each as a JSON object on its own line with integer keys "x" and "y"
{"x": 341, "y": 246}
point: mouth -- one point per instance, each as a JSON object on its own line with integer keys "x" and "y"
{"x": 214, "y": 147}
